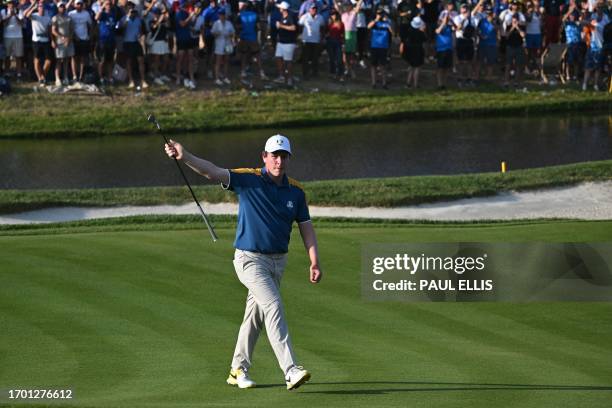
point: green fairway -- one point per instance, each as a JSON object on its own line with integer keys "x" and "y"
{"x": 148, "y": 318}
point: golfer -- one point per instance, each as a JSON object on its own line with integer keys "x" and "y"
{"x": 269, "y": 204}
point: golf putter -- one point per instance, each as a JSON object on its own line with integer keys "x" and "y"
{"x": 211, "y": 230}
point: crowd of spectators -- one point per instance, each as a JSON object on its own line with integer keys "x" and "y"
{"x": 187, "y": 43}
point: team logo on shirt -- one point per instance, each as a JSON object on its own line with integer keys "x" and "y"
{"x": 289, "y": 204}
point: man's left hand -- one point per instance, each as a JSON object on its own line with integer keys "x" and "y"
{"x": 315, "y": 274}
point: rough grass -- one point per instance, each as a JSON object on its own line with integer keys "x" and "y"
{"x": 380, "y": 192}
{"x": 45, "y": 115}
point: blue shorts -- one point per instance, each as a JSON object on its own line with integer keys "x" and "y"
{"x": 533, "y": 41}
{"x": 487, "y": 54}
{"x": 594, "y": 59}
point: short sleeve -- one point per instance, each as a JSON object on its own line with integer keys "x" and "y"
{"x": 303, "y": 214}
{"x": 238, "y": 180}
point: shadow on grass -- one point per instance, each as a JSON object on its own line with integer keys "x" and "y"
{"x": 371, "y": 387}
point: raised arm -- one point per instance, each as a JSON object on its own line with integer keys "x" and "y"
{"x": 200, "y": 166}
{"x": 30, "y": 9}
{"x": 310, "y": 243}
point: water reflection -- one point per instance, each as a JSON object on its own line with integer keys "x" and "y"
{"x": 376, "y": 150}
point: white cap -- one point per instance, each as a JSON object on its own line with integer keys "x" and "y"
{"x": 276, "y": 143}
{"x": 284, "y": 6}
{"x": 417, "y": 23}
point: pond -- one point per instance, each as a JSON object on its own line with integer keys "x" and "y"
{"x": 332, "y": 152}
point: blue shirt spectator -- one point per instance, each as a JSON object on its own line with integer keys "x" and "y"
{"x": 210, "y": 15}
{"x": 444, "y": 40}
{"x": 380, "y": 35}
{"x": 183, "y": 34}
{"x": 132, "y": 28}
{"x": 488, "y": 34}
{"x": 248, "y": 24}
{"x": 106, "y": 28}
{"x": 572, "y": 32}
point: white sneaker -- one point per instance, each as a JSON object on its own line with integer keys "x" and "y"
{"x": 280, "y": 80}
{"x": 144, "y": 85}
{"x": 58, "y": 82}
{"x": 227, "y": 81}
{"x": 596, "y": 88}
{"x": 243, "y": 74}
{"x": 296, "y": 377}
{"x": 131, "y": 85}
{"x": 164, "y": 78}
{"x": 263, "y": 76}
{"x": 584, "y": 86}
{"x": 218, "y": 82}
{"x": 240, "y": 377}
{"x": 186, "y": 83}
{"x": 192, "y": 85}
{"x": 158, "y": 81}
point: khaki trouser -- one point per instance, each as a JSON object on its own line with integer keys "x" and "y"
{"x": 261, "y": 274}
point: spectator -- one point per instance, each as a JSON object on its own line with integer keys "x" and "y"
{"x": 274, "y": 15}
{"x": 158, "y": 48}
{"x": 533, "y": 36}
{"x": 404, "y": 17}
{"x": 248, "y": 47}
{"x": 224, "y": 32}
{"x": 505, "y": 18}
{"x": 83, "y": 25}
{"x": 349, "y": 21}
{"x": 313, "y": 25}
{"x": 285, "y": 47}
{"x": 488, "y": 32}
{"x": 552, "y": 20}
{"x": 41, "y": 36}
{"x": 208, "y": 18}
{"x": 444, "y": 49}
{"x": 107, "y": 18}
{"x": 12, "y": 25}
{"x": 465, "y": 30}
{"x": 515, "y": 51}
{"x": 133, "y": 30}
{"x": 364, "y": 16}
{"x": 594, "y": 57}
{"x": 431, "y": 13}
{"x": 414, "y": 51}
{"x": 335, "y": 37}
{"x": 573, "y": 59}
{"x": 62, "y": 29}
{"x": 185, "y": 43}
{"x": 381, "y": 33}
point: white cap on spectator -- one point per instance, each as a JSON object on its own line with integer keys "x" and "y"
{"x": 78, "y": 2}
{"x": 276, "y": 143}
{"x": 417, "y": 23}
{"x": 284, "y": 6}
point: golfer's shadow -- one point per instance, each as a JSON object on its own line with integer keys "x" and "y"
{"x": 431, "y": 386}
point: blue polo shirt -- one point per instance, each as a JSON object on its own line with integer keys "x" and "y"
{"x": 266, "y": 211}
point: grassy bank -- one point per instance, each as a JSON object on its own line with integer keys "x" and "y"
{"x": 384, "y": 192}
{"x": 153, "y": 316}
{"x": 27, "y": 114}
